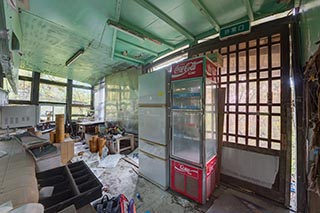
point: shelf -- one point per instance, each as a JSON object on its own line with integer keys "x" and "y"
{"x": 187, "y": 95}
{"x": 187, "y": 107}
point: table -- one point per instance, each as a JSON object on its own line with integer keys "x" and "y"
{"x": 89, "y": 126}
{"x": 126, "y": 137}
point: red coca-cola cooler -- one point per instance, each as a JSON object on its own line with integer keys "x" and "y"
{"x": 194, "y": 127}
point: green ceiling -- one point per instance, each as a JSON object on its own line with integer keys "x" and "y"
{"x": 53, "y": 30}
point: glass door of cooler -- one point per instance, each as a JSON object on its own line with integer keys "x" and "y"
{"x": 187, "y": 94}
{"x": 186, "y": 136}
{"x": 211, "y": 121}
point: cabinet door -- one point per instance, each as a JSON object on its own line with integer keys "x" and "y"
{"x": 187, "y": 94}
{"x": 186, "y": 135}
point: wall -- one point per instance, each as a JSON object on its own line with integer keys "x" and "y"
{"x": 309, "y": 26}
{"x": 122, "y": 99}
{"x": 239, "y": 164}
{"x": 310, "y": 34}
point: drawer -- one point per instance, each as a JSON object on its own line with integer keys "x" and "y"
{"x": 153, "y": 124}
{"x": 154, "y": 169}
{"x": 154, "y": 149}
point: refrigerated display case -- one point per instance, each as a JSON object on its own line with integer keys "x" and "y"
{"x": 194, "y": 128}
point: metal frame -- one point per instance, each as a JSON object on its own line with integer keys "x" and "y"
{"x": 128, "y": 58}
{"x": 200, "y": 111}
{"x": 137, "y": 47}
{"x": 164, "y": 17}
{"x": 249, "y": 9}
{"x": 117, "y": 17}
{"x": 206, "y": 13}
{"x": 144, "y": 34}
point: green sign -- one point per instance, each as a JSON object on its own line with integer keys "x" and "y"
{"x": 236, "y": 29}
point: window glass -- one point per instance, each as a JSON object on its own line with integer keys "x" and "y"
{"x": 24, "y": 90}
{"x": 53, "y": 78}
{"x": 79, "y": 112}
{"x": 48, "y": 112}
{"x": 81, "y": 96}
{"x": 81, "y": 83}
{"x": 25, "y": 73}
{"x": 52, "y": 93}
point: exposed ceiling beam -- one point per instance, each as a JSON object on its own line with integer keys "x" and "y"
{"x": 138, "y": 33}
{"x": 128, "y": 59}
{"x": 138, "y": 47}
{"x": 164, "y": 17}
{"x": 117, "y": 17}
{"x": 206, "y": 13}
{"x": 249, "y": 9}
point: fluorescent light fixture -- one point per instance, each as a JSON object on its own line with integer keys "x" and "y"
{"x": 75, "y": 57}
{"x": 131, "y": 32}
{"x": 122, "y": 28}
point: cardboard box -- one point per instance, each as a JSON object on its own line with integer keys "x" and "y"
{"x": 66, "y": 150}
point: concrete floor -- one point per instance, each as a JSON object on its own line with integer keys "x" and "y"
{"x": 124, "y": 179}
{"x": 230, "y": 201}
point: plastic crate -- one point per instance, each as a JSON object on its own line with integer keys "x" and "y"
{"x": 73, "y": 184}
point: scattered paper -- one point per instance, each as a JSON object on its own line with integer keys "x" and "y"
{"x": 46, "y": 191}
{"x": 110, "y": 161}
{"x": 97, "y": 171}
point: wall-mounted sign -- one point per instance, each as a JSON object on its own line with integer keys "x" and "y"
{"x": 235, "y": 29}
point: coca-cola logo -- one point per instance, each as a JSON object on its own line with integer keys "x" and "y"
{"x": 187, "y": 170}
{"x": 188, "y": 67}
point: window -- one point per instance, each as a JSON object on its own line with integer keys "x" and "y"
{"x": 81, "y": 83}
{"x": 24, "y": 90}
{"x": 25, "y": 73}
{"x": 81, "y": 96}
{"x": 53, "y": 78}
{"x": 81, "y": 100}
{"x": 80, "y": 112}
{"x": 52, "y": 93}
{"x": 48, "y": 112}
{"x": 253, "y": 94}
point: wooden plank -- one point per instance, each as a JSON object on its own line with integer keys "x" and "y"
{"x": 221, "y": 102}
{"x": 131, "y": 161}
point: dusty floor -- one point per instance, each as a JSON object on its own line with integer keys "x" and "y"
{"x": 124, "y": 178}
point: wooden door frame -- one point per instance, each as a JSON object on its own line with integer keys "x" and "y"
{"x": 279, "y": 26}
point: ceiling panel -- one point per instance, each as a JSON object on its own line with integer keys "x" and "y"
{"x": 54, "y": 30}
{"x": 263, "y": 8}
{"x": 195, "y": 25}
{"x": 47, "y": 46}
{"x": 226, "y": 11}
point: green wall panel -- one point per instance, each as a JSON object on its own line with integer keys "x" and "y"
{"x": 309, "y": 27}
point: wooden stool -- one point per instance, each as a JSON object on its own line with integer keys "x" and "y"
{"x": 127, "y": 137}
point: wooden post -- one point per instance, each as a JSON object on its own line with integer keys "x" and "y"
{"x": 221, "y": 103}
